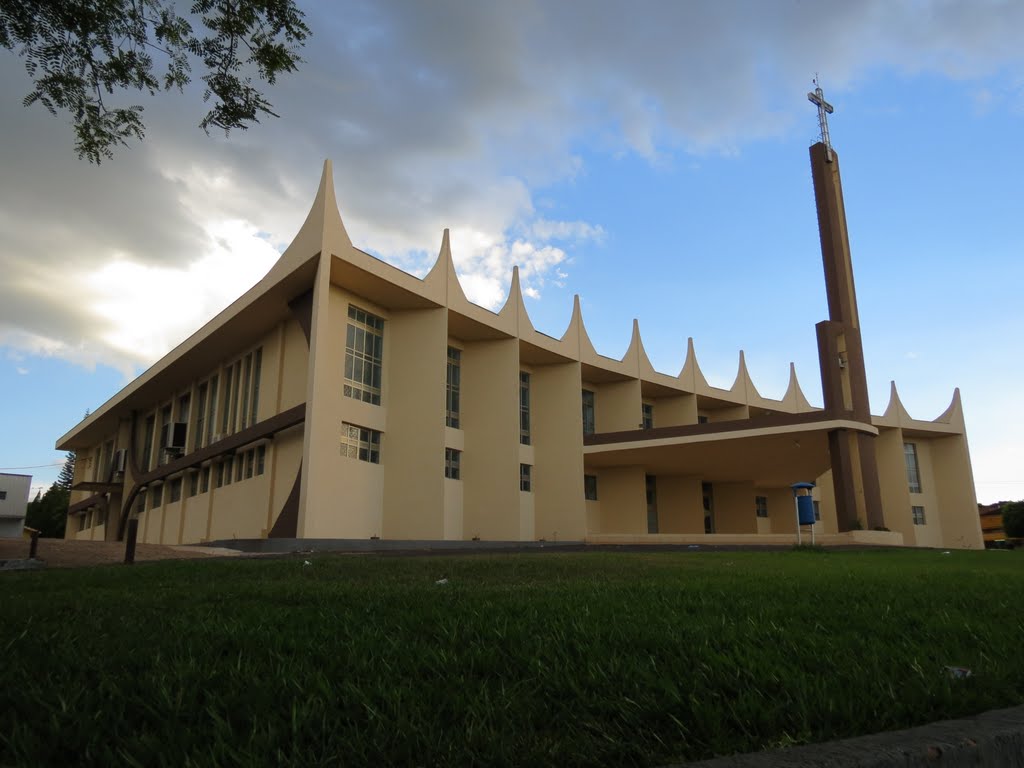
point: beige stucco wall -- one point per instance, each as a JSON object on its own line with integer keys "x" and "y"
{"x": 892, "y": 482}
{"x": 557, "y": 440}
{"x": 954, "y": 485}
{"x": 675, "y": 411}
{"x": 414, "y": 494}
{"x": 734, "y": 508}
{"x": 490, "y": 423}
{"x": 622, "y": 493}
{"x": 680, "y": 504}
{"x": 617, "y": 405}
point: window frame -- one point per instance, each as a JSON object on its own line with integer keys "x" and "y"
{"x": 452, "y": 464}
{"x": 526, "y": 478}
{"x": 589, "y": 401}
{"x": 361, "y": 443}
{"x": 453, "y": 388}
{"x": 364, "y": 329}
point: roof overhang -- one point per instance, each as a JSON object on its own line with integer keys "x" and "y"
{"x": 254, "y": 313}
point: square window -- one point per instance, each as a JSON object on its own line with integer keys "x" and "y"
{"x": 360, "y": 443}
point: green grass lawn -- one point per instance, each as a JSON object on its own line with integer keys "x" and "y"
{"x": 527, "y": 659}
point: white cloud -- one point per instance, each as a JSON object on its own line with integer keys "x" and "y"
{"x": 436, "y": 115}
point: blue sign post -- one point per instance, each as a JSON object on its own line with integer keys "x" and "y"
{"x": 804, "y": 508}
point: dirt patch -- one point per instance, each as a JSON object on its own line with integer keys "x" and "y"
{"x": 59, "y": 553}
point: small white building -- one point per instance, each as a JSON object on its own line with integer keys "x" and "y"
{"x": 14, "y": 490}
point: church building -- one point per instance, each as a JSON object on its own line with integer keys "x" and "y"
{"x": 342, "y": 398}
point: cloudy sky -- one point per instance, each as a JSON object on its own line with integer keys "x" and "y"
{"x": 575, "y": 139}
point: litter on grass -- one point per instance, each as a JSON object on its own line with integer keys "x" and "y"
{"x": 958, "y": 673}
{"x": 442, "y": 581}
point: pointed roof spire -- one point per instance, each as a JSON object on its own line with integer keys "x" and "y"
{"x": 691, "y": 374}
{"x": 514, "y": 304}
{"x": 794, "y": 396}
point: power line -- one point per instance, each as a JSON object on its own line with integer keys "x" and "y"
{"x": 34, "y": 466}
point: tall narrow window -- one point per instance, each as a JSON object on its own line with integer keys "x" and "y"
{"x": 147, "y": 443}
{"x": 204, "y": 480}
{"x": 211, "y": 420}
{"x": 590, "y": 487}
{"x": 250, "y": 463}
{"x": 256, "y": 367}
{"x": 524, "y": 408}
{"x": 233, "y": 409}
{"x": 175, "y": 490}
{"x": 200, "y": 415}
{"x": 647, "y": 416}
{"x": 156, "y": 496}
{"x": 651, "y": 483}
{"x": 225, "y": 420}
{"x": 913, "y": 474}
{"x": 364, "y": 351}
{"x": 589, "y": 421}
{"x": 193, "y": 483}
{"x": 451, "y": 397}
{"x": 918, "y": 514}
{"x": 452, "y": 464}
{"x": 261, "y": 458}
{"x": 165, "y": 420}
{"x": 708, "y": 493}
{"x": 525, "y": 471}
{"x": 246, "y": 379}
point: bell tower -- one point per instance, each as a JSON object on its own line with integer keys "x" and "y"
{"x": 840, "y": 354}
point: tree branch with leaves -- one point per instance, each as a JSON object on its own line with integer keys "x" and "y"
{"x": 79, "y": 52}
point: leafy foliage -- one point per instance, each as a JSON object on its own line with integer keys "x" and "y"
{"x": 1013, "y": 519}
{"x": 48, "y": 512}
{"x": 78, "y": 52}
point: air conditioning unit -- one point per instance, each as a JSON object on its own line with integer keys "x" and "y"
{"x": 172, "y": 436}
{"x": 120, "y": 461}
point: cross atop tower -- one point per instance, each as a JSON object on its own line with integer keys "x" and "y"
{"x": 824, "y": 108}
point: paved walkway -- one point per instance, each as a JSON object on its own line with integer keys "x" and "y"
{"x": 59, "y": 553}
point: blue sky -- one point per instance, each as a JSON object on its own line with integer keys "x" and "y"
{"x": 672, "y": 142}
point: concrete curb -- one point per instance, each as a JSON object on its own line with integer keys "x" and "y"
{"x": 994, "y": 738}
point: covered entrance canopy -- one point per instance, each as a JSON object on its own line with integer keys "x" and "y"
{"x": 772, "y": 452}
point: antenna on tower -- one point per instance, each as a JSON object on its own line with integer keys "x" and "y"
{"x": 824, "y": 108}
